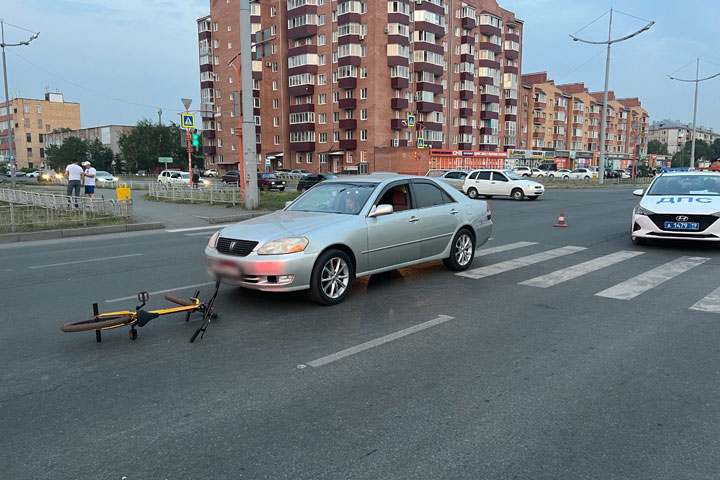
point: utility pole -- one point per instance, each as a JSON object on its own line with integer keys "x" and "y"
{"x": 251, "y": 199}
{"x": 188, "y": 139}
{"x": 609, "y": 42}
{"x": 11, "y": 145}
{"x": 160, "y": 116}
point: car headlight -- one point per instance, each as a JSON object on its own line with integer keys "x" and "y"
{"x": 115, "y": 179}
{"x": 284, "y": 245}
{"x": 643, "y": 211}
{"x": 214, "y": 240}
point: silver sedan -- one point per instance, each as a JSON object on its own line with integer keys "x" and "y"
{"x": 343, "y": 229}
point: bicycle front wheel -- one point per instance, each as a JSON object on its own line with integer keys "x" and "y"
{"x": 100, "y": 322}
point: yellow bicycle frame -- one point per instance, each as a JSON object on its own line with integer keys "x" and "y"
{"x": 134, "y": 318}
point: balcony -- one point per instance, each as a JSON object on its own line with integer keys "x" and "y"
{"x": 468, "y": 22}
{"x": 300, "y": 90}
{"x": 538, "y": 135}
{"x": 466, "y": 112}
{"x": 399, "y": 82}
{"x": 512, "y": 54}
{"x": 428, "y": 107}
{"x": 397, "y": 124}
{"x": 302, "y": 32}
{"x": 488, "y": 115}
{"x": 302, "y": 146}
{"x": 466, "y": 94}
{"x": 209, "y": 150}
{"x": 490, "y": 30}
{"x": 348, "y": 144}
{"x": 348, "y": 103}
{"x": 489, "y": 98}
{"x": 465, "y": 129}
{"x": 538, "y": 119}
{"x": 348, "y": 124}
{"x": 435, "y": 88}
{"x": 540, "y": 105}
{"x": 348, "y": 82}
{"x": 399, "y": 103}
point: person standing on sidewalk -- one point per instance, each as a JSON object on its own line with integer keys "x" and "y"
{"x": 74, "y": 174}
{"x": 89, "y": 179}
{"x": 195, "y": 176}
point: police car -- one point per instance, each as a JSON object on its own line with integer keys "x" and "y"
{"x": 678, "y": 205}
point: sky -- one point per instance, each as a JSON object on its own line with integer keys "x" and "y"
{"x": 123, "y": 60}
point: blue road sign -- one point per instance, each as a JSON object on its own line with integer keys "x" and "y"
{"x": 411, "y": 120}
{"x": 421, "y": 142}
{"x": 187, "y": 120}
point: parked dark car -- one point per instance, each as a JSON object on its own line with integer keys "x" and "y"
{"x": 266, "y": 180}
{"x": 313, "y": 179}
{"x": 609, "y": 173}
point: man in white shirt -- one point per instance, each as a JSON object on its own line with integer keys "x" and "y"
{"x": 89, "y": 179}
{"x": 73, "y": 173}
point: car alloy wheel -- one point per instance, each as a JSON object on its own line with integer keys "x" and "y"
{"x": 517, "y": 194}
{"x": 472, "y": 193}
{"x": 462, "y": 251}
{"x": 331, "y": 278}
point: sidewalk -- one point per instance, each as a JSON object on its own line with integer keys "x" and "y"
{"x": 186, "y": 215}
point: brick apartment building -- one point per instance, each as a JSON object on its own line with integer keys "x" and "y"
{"x": 334, "y": 81}
{"x": 31, "y": 120}
{"x": 566, "y": 118}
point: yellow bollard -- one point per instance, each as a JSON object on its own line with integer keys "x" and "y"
{"x": 123, "y": 192}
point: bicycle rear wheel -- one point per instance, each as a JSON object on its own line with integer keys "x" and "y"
{"x": 99, "y": 322}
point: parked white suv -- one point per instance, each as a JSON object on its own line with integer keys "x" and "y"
{"x": 582, "y": 174}
{"x": 490, "y": 182}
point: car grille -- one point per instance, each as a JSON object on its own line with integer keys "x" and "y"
{"x": 705, "y": 221}
{"x": 231, "y": 246}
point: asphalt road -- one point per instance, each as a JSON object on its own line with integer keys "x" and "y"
{"x": 544, "y": 379}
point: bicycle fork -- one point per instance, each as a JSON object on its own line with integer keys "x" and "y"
{"x": 207, "y": 314}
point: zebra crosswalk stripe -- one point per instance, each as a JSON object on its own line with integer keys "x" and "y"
{"x": 503, "y": 248}
{"x": 575, "y": 271}
{"x": 633, "y": 287}
{"x": 711, "y": 303}
{"x": 508, "y": 265}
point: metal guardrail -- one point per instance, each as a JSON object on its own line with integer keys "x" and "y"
{"x": 32, "y": 209}
{"x": 201, "y": 194}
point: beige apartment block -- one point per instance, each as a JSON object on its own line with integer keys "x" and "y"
{"x": 335, "y": 80}
{"x": 567, "y": 118}
{"x": 31, "y": 120}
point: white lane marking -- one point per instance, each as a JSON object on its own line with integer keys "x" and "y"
{"x": 711, "y": 303}
{"x": 508, "y": 265}
{"x": 217, "y": 227}
{"x": 162, "y": 291}
{"x": 503, "y": 248}
{"x": 545, "y": 281}
{"x": 198, "y": 234}
{"x": 88, "y": 260}
{"x": 630, "y": 289}
{"x": 378, "y": 341}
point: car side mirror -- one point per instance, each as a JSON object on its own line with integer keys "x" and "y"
{"x": 379, "y": 210}
{"x": 639, "y": 192}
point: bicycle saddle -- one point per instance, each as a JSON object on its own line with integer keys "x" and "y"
{"x": 143, "y": 317}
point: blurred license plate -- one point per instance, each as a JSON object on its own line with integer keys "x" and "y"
{"x": 225, "y": 268}
{"x": 682, "y": 225}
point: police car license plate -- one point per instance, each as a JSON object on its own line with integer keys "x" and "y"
{"x": 682, "y": 226}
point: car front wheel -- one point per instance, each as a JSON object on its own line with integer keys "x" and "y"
{"x": 517, "y": 194}
{"x": 638, "y": 240}
{"x": 331, "y": 278}
{"x": 472, "y": 193}
{"x": 462, "y": 251}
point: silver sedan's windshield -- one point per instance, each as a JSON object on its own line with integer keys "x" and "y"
{"x": 686, "y": 185}
{"x": 346, "y": 198}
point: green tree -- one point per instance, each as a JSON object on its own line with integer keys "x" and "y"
{"x": 100, "y": 155}
{"x": 715, "y": 149}
{"x": 141, "y": 148}
{"x": 657, "y": 147}
{"x": 72, "y": 148}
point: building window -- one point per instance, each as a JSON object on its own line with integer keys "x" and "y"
{"x": 229, "y": 45}
{"x": 363, "y": 93}
{"x": 336, "y": 117}
{"x": 276, "y": 103}
{"x": 273, "y": 11}
{"x": 363, "y": 72}
{"x": 29, "y": 152}
{"x": 336, "y": 136}
{"x": 322, "y": 118}
{"x": 275, "y": 85}
{"x": 28, "y": 138}
{"x": 229, "y": 28}
{"x": 363, "y": 114}
{"x": 26, "y": 108}
{"x": 276, "y": 121}
{"x": 323, "y": 138}
{"x": 363, "y": 134}
{"x": 38, "y": 107}
{"x": 276, "y": 139}
{"x": 321, "y": 40}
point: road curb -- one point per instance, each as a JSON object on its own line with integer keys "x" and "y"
{"x": 77, "y": 232}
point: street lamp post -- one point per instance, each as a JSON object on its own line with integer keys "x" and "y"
{"x": 696, "y": 81}
{"x": 609, "y": 42}
{"x": 7, "y": 96}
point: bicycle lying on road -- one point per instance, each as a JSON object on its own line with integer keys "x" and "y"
{"x": 140, "y": 317}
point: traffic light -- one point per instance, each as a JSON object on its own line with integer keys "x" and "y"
{"x": 195, "y": 138}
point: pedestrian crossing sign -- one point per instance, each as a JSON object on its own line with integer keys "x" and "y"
{"x": 420, "y": 142}
{"x": 187, "y": 120}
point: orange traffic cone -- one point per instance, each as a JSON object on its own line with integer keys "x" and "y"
{"x": 561, "y": 221}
